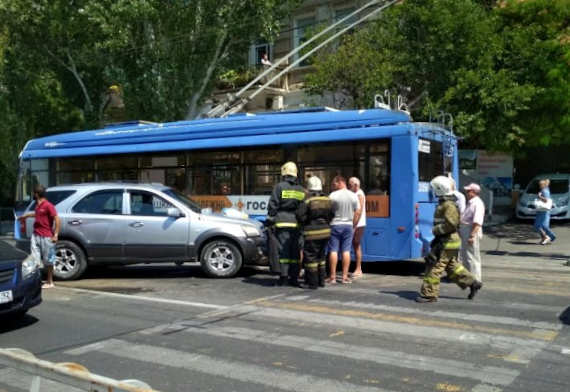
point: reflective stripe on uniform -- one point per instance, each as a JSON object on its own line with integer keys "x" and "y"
{"x": 318, "y": 234}
{"x": 311, "y": 266}
{"x": 454, "y": 244}
{"x": 285, "y": 224}
{"x": 430, "y": 280}
{"x": 318, "y": 231}
{"x": 288, "y": 261}
{"x": 292, "y": 194}
{"x": 458, "y": 270}
{"x": 322, "y": 263}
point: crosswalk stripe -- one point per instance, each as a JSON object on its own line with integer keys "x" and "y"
{"x": 240, "y": 371}
{"x": 490, "y": 374}
{"x": 440, "y": 313}
{"x": 537, "y": 334}
{"x": 532, "y": 345}
{"x": 21, "y": 380}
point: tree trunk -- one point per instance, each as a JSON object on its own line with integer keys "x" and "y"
{"x": 193, "y": 104}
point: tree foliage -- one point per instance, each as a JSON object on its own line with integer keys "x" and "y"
{"x": 497, "y": 66}
{"x": 59, "y": 58}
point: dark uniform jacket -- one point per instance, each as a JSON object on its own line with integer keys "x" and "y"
{"x": 284, "y": 201}
{"x": 315, "y": 215}
{"x": 446, "y": 222}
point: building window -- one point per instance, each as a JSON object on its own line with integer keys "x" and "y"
{"x": 300, "y": 32}
{"x": 257, "y": 51}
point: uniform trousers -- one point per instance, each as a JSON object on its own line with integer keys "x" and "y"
{"x": 314, "y": 261}
{"x": 288, "y": 239}
{"x": 455, "y": 272}
{"x": 470, "y": 256}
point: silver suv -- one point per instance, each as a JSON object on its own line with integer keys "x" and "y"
{"x": 122, "y": 223}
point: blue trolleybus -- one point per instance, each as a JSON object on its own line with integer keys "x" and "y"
{"x": 235, "y": 161}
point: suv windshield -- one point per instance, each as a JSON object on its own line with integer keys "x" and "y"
{"x": 184, "y": 200}
{"x": 556, "y": 186}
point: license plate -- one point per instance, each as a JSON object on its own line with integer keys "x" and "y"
{"x": 6, "y": 296}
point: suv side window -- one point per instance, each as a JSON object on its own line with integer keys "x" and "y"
{"x": 148, "y": 204}
{"x": 108, "y": 202}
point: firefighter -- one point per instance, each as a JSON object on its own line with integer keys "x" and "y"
{"x": 281, "y": 212}
{"x": 315, "y": 215}
{"x": 445, "y": 247}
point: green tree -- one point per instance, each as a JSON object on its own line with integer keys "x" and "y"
{"x": 460, "y": 56}
{"x": 59, "y": 58}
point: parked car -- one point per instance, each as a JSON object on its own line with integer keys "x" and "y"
{"x": 20, "y": 282}
{"x": 123, "y": 223}
{"x": 559, "y": 191}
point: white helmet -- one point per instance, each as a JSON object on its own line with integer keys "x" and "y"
{"x": 289, "y": 169}
{"x": 314, "y": 184}
{"x": 441, "y": 186}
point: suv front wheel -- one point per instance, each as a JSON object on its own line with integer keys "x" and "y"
{"x": 220, "y": 259}
{"x": 70, "y": 261}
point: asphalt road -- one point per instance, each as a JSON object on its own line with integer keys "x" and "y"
{"x": 179, "y": 331}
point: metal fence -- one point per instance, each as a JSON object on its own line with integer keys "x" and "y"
{"x": 66, "y": 374}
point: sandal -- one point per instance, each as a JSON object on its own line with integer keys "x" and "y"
{"x": 330, "y": 281}
{"x": 346, "y": 281}
{"x": 356, "y": 276}
{"x": 48, "y": 286}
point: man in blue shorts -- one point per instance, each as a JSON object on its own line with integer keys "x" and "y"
{"x": 344, "y": 204}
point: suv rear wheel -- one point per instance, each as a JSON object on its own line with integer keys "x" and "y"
{"x": 220, "y": 259}
{"x": 70, "y": 261}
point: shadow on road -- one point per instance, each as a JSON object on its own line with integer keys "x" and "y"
{"x": 8, "y": 324}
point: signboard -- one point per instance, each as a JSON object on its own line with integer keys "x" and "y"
{"x": 378, "y": 206}
{"x": 492, "y": 170}
{"x": 424, "y": 146}
{"x": 249, "y": 204}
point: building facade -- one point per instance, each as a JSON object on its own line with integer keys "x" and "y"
{"x": 286, "y": 92}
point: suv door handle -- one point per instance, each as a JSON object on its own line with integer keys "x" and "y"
{"x": 136, "y": 224}
{"x": 76, "y": 222}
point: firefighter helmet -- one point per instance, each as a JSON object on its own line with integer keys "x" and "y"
{"x": 441, "y": 186}
{"x": 314, "y": 184}
{"x": 289, "y": 169}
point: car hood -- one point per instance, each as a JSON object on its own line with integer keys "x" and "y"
{"x": 10, "y": 256}
{"x": 220, "y": 218}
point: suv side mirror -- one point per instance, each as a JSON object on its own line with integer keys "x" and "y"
{"x": 174, "y": 213}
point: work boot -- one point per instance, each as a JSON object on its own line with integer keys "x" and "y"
{"x": 425, "y": 300}
{"x": 476, "y": 286}
{"x": 281, "y": 281}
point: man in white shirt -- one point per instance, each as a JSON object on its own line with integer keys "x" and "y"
{"x": 344, "y": 204}
{"x": 471, "y": 230}
{"x": 359, "y": 224}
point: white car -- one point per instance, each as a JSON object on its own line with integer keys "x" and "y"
{"x": 559, "y": 192}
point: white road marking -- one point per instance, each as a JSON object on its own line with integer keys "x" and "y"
{"x": 485, "y": 388}
{"x": 440, "y": 313}
{"x": 146, "y": 299}
{"x": 565, "y": 351}
{"x": 240, "y": 371}
{"x": 414, "y": 330}
{"x": 490, "y": 374}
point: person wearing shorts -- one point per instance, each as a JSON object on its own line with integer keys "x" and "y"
{"x": 344, "y": 204}
{"x": 359, "y": 224}
{"x": 45, "y": 236}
